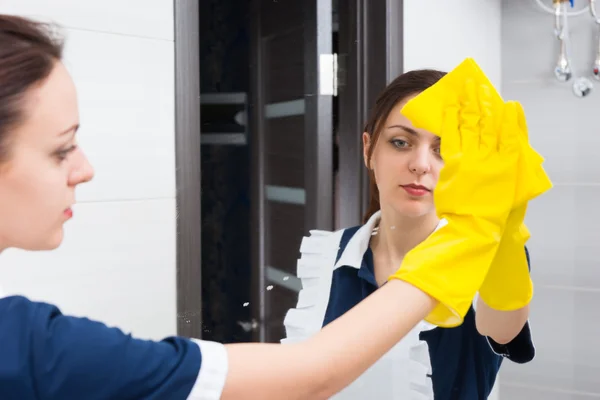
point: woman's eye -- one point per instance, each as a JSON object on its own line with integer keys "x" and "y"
{"x": 63, "y": 154}
{"x": 400, "y": 143}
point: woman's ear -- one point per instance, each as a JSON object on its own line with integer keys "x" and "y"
{"x": 366, "y": 139}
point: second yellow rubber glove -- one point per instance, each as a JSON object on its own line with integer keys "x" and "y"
{"x": 474, "y": 194}
{"x": 508, "y": 285}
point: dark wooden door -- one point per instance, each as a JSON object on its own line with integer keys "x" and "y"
{"x": 291, "y": 109}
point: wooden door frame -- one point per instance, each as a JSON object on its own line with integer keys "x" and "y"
{"x": 318, "y": 164}
{"x": 371, "y": 47}
{"x": 187, "y": 168}
{"x": 318, "y": 118}
{"x": 257, "y": 168}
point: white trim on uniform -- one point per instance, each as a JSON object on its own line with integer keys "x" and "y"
{"x": 404, "y": 371}
{"x": 213, "y": 371}
{"x": 358, "y": 244}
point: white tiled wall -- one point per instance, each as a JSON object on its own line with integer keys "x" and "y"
{"x": 564, "y": 222}
{"x": 440, "y": 34}
{"x": 117, "y": 263}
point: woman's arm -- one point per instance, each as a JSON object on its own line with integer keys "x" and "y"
{"x": 333, "y": 358}
{"x": 501, "y": 326}
{"x": 61, "y": 356}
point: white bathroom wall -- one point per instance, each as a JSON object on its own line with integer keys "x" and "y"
{"x": 563, "y": 222}
{"x": 118, "y": 260}
{"x": 440, "y": 34}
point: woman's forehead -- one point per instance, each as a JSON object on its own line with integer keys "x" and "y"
{"x": 397, "y": 119}
{"x": 52, "y": 106}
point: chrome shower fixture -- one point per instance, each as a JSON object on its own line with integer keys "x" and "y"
{"x": 582, "y": 86}
{"x": 562, "y": 70}
{"x": 596, "y": 65}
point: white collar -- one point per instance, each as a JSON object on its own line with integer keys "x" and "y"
{"x": 358, "y": 244}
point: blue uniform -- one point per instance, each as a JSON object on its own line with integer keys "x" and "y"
{"x": 337, "y": 273}
{"x": 464, "y": 364}
{"x": 45, "y": 355}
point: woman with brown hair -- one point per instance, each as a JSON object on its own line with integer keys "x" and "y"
{"x": 47, "y": 355}
{"x": 404, "y": 164}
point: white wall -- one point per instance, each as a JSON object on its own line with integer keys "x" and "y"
{"x": 441, "y": 33}
{"x": 563, "y": 222}
{"x": 117, "y": 263}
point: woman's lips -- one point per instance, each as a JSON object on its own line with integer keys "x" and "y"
{"x": 416, "y": 191}
{"x": 68, "y": 213}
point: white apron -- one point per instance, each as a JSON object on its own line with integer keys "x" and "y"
{"x": 399, "y": 374}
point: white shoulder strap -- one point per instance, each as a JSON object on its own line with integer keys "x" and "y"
{"x": 315, "y": 270}
{"x": 401, "y": 373}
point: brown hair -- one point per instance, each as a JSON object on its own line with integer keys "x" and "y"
{"x": 405, "y": 85}
{"x": 28, "y": 53}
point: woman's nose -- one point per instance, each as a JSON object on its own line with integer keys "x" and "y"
{"x": 82, "y": 171}
{"x": 420, "y": 163}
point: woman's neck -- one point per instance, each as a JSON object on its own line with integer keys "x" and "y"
{"x": 396, "y": 236}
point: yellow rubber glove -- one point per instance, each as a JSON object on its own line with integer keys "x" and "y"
{"x": 445, "y": 92}
{"x": 508, "y": 285}
{"x": 474, "y": 194}
{"x": 426, "y": 111}
{"x": 538, "y": 181}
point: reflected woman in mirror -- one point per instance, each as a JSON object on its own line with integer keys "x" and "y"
{"x": 404, "y": 164}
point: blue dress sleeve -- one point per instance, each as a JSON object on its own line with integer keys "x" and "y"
{"x": 521, "y": 349}
{"x": 61, "y": 357}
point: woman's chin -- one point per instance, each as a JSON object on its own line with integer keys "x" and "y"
{"x": 51, "y": 242}
{"x": 55, "y": 240}
{"x": 415, "y": 209}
